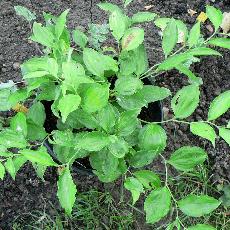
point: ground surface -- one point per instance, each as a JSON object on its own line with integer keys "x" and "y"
{"x": 27, "y": 193}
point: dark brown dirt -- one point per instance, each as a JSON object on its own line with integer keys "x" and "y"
{"x": 28, "y": 193}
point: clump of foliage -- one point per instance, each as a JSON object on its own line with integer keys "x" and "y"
{"x": 97, "y": 96}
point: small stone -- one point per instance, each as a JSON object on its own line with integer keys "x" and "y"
{"x": 148, "y": 7}
{"x": 3, "y": 70}
{"x": 16, "y": 65}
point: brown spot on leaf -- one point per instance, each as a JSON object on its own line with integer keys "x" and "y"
{"x": 128, "y": 40}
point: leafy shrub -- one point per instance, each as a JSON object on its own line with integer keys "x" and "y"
{"x": 96, "y": 97}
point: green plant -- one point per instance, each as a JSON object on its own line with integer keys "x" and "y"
{"x": 99, "y": 119}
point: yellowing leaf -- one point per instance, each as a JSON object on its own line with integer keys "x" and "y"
{"x": 202, "y": 17}
{"x": 20, "y": 108}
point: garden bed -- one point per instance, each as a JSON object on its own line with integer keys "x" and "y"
{"x": 28, "y": 193}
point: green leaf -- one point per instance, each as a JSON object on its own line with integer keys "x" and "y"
{"x": 129, "y": 60}
{"x": 18, "y": 123}
{"x": 117, "y": 23}
{"x": 143, "y": 17}
{"x": 68, "y": 104}
{"x": 39, "y": 156}
{"x": 219, "y": 106}
{"x": 11, "y": 139}
{"x": 201, "y": 227}
{"x": 6, "y": 89}
{"x": 203, "y": 130}
{"x": 118, "y": 147}
{"x": 225, "y": 134}
{"x": 66, "y": 191}
{"x": 17, "y": 96}
{"x": 36, "y": 83}
{"x": 142, "y": 158}
{"x": 94, "y": 141}
{"x": 35, "y": 132}
{"x": 19, "y": 161}
{"x": 37, "y": 114}
{"x": 127, "y": 123}
{"x": 39, "y": 67}
{"x": 153, "y": 93}
{"x": 187, "y": 157}
{"x": 162, "y": 22}
{"x": 97, "y": 63}
{"x": 170, "y": 37}
{"x": 185, "y": 101}
{"x": 61, "y": 23}
{"x": 132, "y": 102}
{"x": 132, "y": 38}
{"x": 203, "y": 51}
{"x": 197, "y": 206}
{"x": 9, "y": 165}
{"x": 40, "y": 170}
{"x": 221, "y": 42}
{"x": 128, "y": 85}
{"x": 135, "y": 187}
{"x": 193, "y": 79}
{"x": 42, "y": 35}
{"x": 37, "y": 74}
{"x": 152, "y": 137}
{"x": 86, "y": 119}
{"x": 106, "y": 6}
{"x": 95, "y": 97}
{"x": 140, "y": 59}
{"x": 106, "y": 118}
{"x": 74, "y": 75}
{"x": 215, "y": 16}
{"x": 2, "y": 171}
{"x": 194, "y": 35}
{"x": 127, "y": 2}
{"x": 157, "y": 205}
{"x": 148, "y": 179}
{"x": 174, "y": 224}
{"x": 4, "y": 152}
{"x": 173, "y": 61}
{"x": 228, "y": 125}
{"x": 63, "y": 138}
{"x": 24, "y": 12}
{"x": 80, "y": 38}
{"x": 107, "y": 167}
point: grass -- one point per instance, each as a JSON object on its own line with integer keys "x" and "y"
{"x": 93, "y": 210}
{"x": 98, "y": 210}
{"x": 199, "y": 182}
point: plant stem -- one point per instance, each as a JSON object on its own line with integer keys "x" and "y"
{"x": 209, "y": 38}
{"x": 179, "y": 121}
{"x": 149, "y": 70}
{"x": 172, "y": 196}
